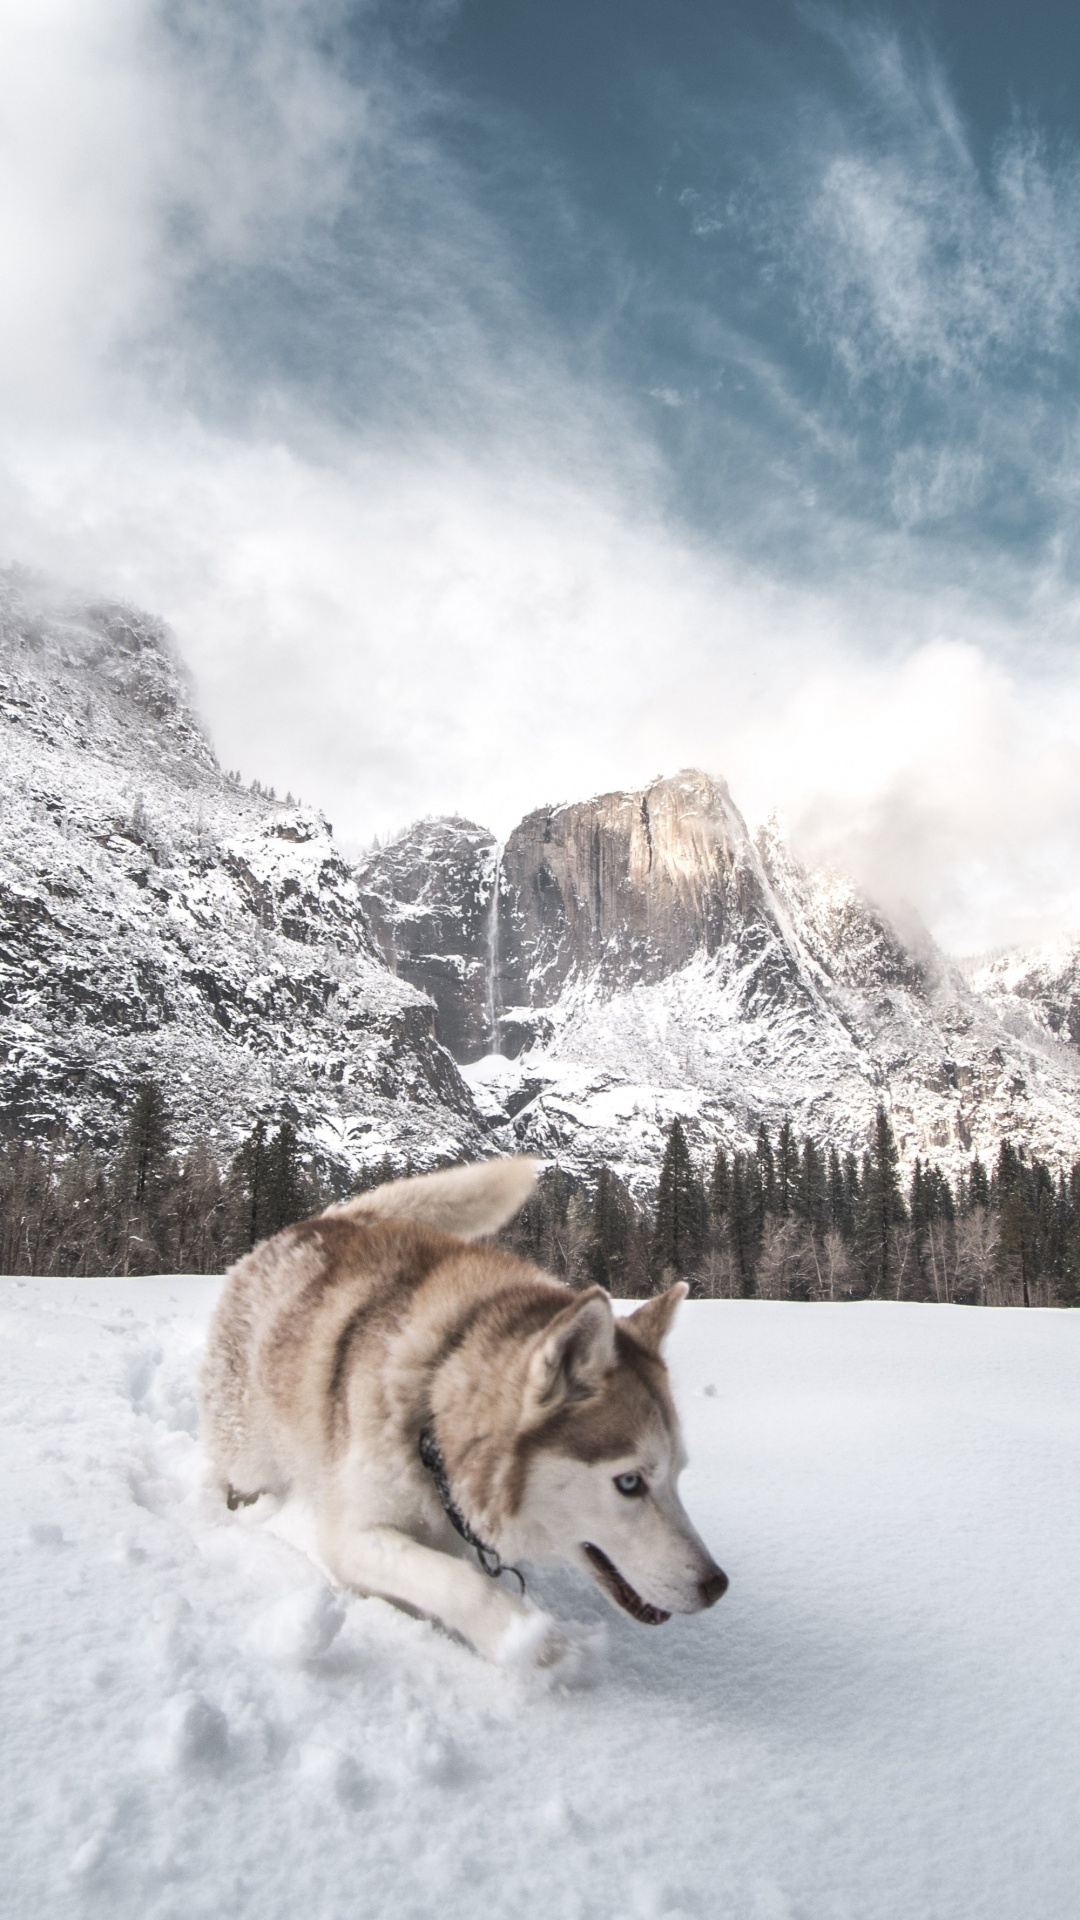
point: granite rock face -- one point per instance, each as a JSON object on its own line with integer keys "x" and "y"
{"x": 624, "y": 889}
{"x": 650, "y": 958}
{"x": 157, "y": 919}
{"x": 621, "y": 960}
{"x": 429, "y": 898}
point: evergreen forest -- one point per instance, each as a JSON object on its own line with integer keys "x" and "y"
{"x": 791, "y": 1220}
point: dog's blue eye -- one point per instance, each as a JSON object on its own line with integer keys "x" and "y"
{"x": 630, "y": 1484}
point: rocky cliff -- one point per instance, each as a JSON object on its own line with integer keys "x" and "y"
{"x": 429, "y": 899}
{"x": 1034, "y": 987}
{"x": 620, "y": 960}
{"x": 625, "y": 889}
{"x": 157, "y": 919}
{"x": 647, "y": 957}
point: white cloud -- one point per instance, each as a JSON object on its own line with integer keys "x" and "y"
{"x": 392, "y": 636}
{"x": 941, "y": 781}
{"x": 912, "y": 260}
{"x": 464, "y": 591}
{"x": 82, "y": 154}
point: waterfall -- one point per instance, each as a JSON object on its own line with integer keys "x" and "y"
{"x": 492, "y": 956}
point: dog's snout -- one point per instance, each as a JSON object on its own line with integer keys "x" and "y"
{"x": 711, "y": 1589}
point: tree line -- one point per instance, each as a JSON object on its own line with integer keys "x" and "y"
{"x": 793, "y": 1220}
{"x": 148, "y": 1208}
{"x": 789, "y": 1220}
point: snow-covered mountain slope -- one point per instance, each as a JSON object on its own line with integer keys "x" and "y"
{"x": 429, "y": 899}
{"x": 620, "y": 960}
{"x": 651, "y": 958}
{"x": 1039, "y": 985}
{"x": 157, "y": 919}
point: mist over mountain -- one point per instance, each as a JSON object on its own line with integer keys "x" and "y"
{"x": 640, "y": 955}
{"x": 617, "y": 961}
{"x": 156, "y": 919}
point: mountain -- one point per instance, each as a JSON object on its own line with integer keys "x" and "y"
{"x": 642, "y": 955}
{"x": 158, "y": 919}
{"x": 1037, "y": 986}
{"x": 618, "y": 961}
{"x": 429, "y": 899}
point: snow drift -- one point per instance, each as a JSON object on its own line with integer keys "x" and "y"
{"x": 878, "y": 1723}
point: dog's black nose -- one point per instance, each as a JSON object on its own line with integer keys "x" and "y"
{"x": 713, "y": 1587}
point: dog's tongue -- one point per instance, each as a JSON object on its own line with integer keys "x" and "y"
{"x": 621, "y": 1590}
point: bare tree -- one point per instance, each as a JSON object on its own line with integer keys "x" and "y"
{"x": 941, "y": 1253}
{"x": 776, "y": 1263}
{"x": 718, "y": 1275}
{"x": 976, "y": 1256}
{"x": 837, "y": 1268}
{"x": 901, "y": 1242}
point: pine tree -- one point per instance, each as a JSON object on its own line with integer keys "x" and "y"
{"x": 679, "y": 1231}
{"x": 853, "y": 1196}
{"x": 609, "y": 1232}
{"x": 81, "y": 1242}
{"x": 551, "y": 1230}
{"x": 1069, "y": 1285}
{"x": 199, "y": 1214}
{"x": 765, "y": 1168}
{"x": 811, "y": 1198}
{"x": 720, "y": 1186}
{"x": 142, "y": 1185}
{"x": 843, "y": 1196}
{"x": 787, "y": 1169}
{"x": 1011, "y": 1189}
{"x": 247, "y": 1191}
{"x": 919, "y": 1211}
{"x": 883, "y": 1208}
{"x": 743, "y": 1218}
{"x": 29, "y": 1204}
{"x": 978, "y": 1185}
{"x": 145, "y": 1153}
{"x": 288, "y": 1195}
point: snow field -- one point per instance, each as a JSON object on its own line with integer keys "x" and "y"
{"x": 878, "y": 1721}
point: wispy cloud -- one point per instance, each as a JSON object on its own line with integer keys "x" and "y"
{"x": 915, "y": 263}
{"x": 942, "y": 286}
{"x": 274, "y": 366}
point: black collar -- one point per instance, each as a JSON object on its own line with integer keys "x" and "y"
{"x": 431, "y": 1458}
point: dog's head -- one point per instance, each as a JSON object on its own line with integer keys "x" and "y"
{"x": 600, "y": 1455}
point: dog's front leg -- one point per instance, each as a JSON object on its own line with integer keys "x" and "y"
{"x": 382, "y": 1561}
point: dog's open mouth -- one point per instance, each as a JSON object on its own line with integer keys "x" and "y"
{"x": 622, "y": 1591}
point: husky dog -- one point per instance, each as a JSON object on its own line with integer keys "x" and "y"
{"x": 424, "y": 1395}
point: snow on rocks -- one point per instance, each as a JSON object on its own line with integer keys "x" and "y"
{"x": 707, "y": 973}
{"x": 878, "y": 1721}
{"x": 1035, "y": 987}
{"x": 157, "y": 918}
{"x": 640, "y": 955}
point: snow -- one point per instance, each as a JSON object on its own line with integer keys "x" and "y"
{"x": 878, "y": 1721}
{"x": 157, "y": 919}
{"x": 801, "y": 1000}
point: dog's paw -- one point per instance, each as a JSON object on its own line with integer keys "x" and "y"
{"x": 565, "y": 1656}
{"x": 532, "y": 1639}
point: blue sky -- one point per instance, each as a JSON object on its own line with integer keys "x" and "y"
{"x": 509, "y": 399}
{"x": 827, "y": 257}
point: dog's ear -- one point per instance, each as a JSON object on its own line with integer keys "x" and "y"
{"x": 573, "y": 1353}
{"x": 651, "y": 1324}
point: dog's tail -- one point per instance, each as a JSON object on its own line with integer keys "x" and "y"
{"x": 468, "y": 1201}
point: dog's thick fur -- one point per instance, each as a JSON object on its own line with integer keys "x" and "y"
{"x": 337, "y": 1343}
